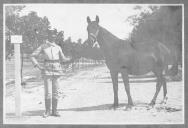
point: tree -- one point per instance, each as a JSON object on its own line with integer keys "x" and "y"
{"x": 32, "y": 28}
{"x": 12, "y": 19}
{"x": 162, "y": 24}
{"x": 79, "y": 41}
{"x": 60, "y": 38}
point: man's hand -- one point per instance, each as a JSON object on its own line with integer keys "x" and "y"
{"x": 40, "y": 67}
{"x": 71, "y": 60}
{"x": 68, "y": 60}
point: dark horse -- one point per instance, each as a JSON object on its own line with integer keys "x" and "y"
{"x": 122, "y": 57}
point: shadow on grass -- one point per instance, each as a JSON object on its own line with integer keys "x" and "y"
{"x": 134, "y": 79}
{"x": 130, "y": 81}
{"x": 93, "y": 108}
{"x": 90, "y": 108}
{"x": 28, "y": 113}
{"x": 98, "y": 108}
{"x": 130, "y": 77}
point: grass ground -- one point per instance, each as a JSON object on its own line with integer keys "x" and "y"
{"x": 87, "y": 97}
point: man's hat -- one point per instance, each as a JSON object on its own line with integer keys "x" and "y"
{"x": 52, "y": 33}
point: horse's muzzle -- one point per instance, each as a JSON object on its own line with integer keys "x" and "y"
{"x": 92, "y": 41}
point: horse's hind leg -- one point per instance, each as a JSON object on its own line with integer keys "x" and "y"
{"x": 127, "y": 88}
{"x": 164, "y": 91}
{"x": 114, "y": 76}
{"x": 158, "y": 87}
{"x": 164, "y": 87}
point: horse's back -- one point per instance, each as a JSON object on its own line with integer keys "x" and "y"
{"x": 144, "y": 46}
{"x": 141, "y": 58}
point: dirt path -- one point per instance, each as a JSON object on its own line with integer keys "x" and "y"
{"x": 86, "y": 98}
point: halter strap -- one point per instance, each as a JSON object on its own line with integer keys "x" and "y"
{"x": 94, "y": 35}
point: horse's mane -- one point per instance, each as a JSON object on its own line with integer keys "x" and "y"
{"x": 105, "y": 31}
{"x": 120, "y": 42}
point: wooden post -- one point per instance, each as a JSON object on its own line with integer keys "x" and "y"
{"x": 17, "y": 39}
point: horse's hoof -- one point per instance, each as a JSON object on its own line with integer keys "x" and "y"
{"x": 164, "y": 101}
{"x": 151, "y": 105}
{"x": 114, "y": 106}
{"x": 130, "y": 104}
{"x": 128, "y": 107}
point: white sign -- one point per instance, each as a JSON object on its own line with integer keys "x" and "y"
{"x": 16, "y": 39}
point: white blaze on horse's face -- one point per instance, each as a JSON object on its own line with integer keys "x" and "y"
{"x": 93, "y": 30}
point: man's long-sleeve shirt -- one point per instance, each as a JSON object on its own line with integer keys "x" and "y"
{"x": 52, "y": 55}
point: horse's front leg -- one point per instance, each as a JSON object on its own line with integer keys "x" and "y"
{"x": 125, "y": 78}
{"x": 114, "y": 76}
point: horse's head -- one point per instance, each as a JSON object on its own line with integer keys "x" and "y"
{"x": 93, "y": 29}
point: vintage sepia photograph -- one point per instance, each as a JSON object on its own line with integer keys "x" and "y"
{"x": 93, "y": 63}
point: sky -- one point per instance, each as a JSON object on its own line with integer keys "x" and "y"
{"x": 71, "y": 18}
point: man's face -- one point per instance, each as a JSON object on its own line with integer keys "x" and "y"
{"x": 52, "y": 38}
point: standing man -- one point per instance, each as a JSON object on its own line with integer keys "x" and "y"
{"x": 51, "y": 71}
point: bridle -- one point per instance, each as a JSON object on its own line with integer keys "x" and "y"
{"x": 94, "y": 35}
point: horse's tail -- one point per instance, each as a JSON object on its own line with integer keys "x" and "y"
{"x": 166, "y": 55}
{"x": 173, "y": 71}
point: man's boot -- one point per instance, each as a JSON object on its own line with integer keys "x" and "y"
{"x": 47, "y": 107}
{"x": 54, "y": 108}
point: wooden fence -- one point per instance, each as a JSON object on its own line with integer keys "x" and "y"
{"x": 82, "y": 63}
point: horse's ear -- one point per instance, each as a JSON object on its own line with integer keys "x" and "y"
{"x": 88, "y": 20}
{"x": 97, "y": 19}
